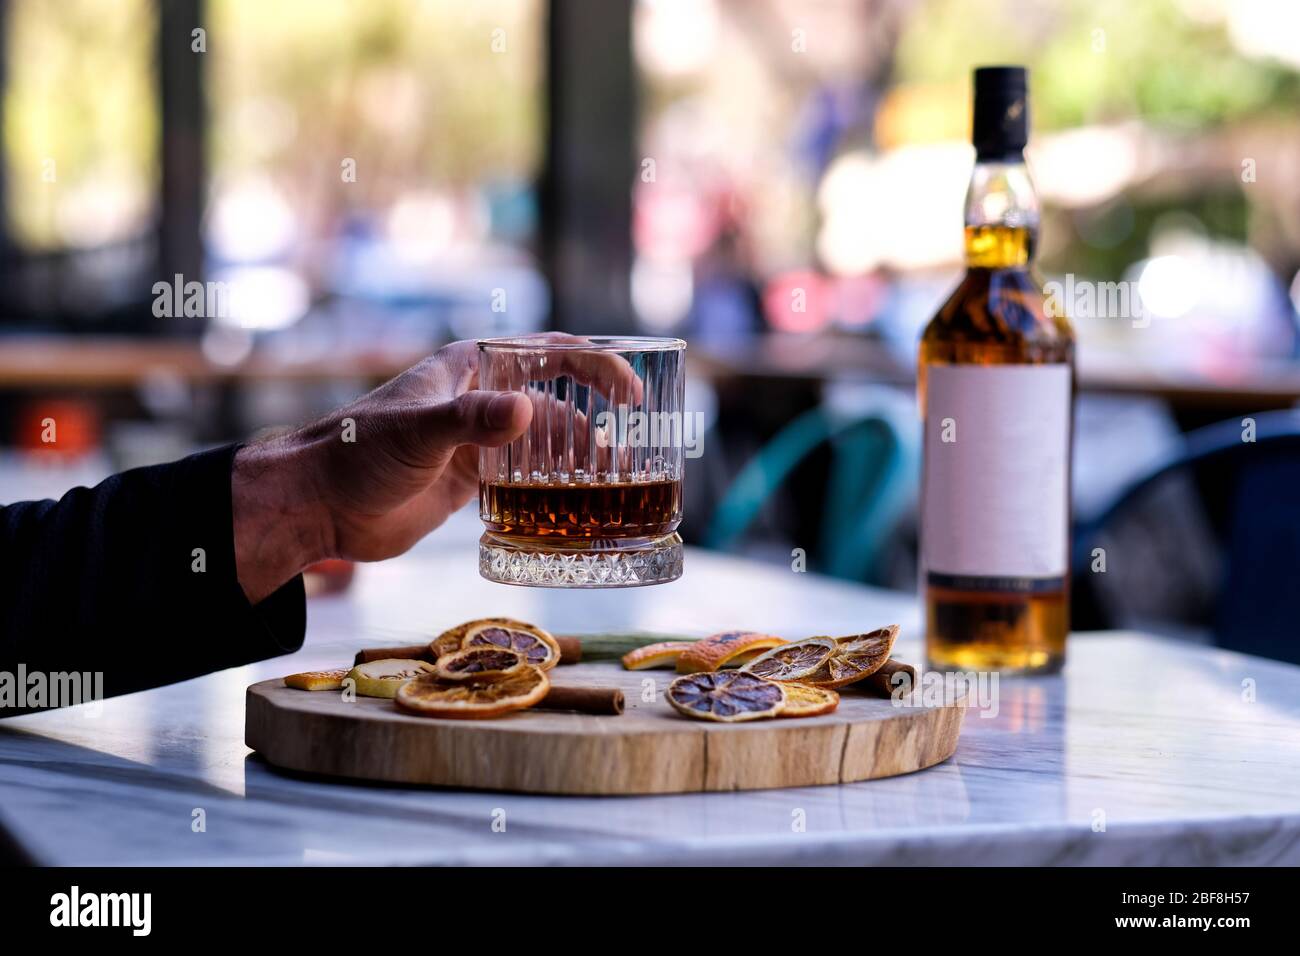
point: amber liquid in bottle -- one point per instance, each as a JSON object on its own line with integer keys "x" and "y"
{"x": 996, "y": 316}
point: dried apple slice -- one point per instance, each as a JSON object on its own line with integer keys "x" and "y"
{"x": 793, "y": 661}
{"x": 663, "y": 654}
{"x": 317, "y": 680}
{"x": 856, "y": 656}
{"x": 430, "y": 696}
{"x": 729, "y": 696}
{"x": 804, "y": 700}
{"x": 382, "y": 678}
{"x": 479, "y": 663}
{"x": 719, "y": 650}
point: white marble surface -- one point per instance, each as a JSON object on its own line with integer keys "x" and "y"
{"x": 1154, "y": 739}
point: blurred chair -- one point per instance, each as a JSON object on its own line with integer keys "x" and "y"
{"x": 1207, "y": 543}
{"x": 870, "y": 486}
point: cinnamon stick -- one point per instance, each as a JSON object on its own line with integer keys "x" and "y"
{"x": 570, "y": 649}
{"x": 585, "y": 700}
{"x": 884, "y": 683}
{"x": 407, "y": 652}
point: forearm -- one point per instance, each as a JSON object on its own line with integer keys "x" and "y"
{"x": 136, "y": 578}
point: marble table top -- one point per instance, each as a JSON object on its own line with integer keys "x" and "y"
{"x": 1144, "y": 751}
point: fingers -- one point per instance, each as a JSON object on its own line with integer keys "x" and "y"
{"x": 489, "y": 419}
{"x": 458, "y": 357}
{"x": 607, "y": 372}
{"x": 454, "y": 368}
{"x": 439, "y": 377}
{"x": 440, "y": 404}
{"x": 558, "y": 425}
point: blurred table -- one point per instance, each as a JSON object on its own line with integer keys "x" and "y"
{"x": 83, "y": 362}
{"x": 104, "y": 363}
{"x": 1255, "y": 385}
{"x": 1143, "y": 751}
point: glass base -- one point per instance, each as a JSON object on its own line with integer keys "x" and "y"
{"x": 609, "y": 563}
{"x": 1006, "y": 662}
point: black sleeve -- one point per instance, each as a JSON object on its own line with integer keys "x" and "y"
{"x": 134, "y": 578}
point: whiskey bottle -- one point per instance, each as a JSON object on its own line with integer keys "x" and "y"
{"x": 996, "y": 384}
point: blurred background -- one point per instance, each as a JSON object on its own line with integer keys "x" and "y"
{"x": 223, "y": 215}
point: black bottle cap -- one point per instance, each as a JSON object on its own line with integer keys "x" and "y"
{"x": 1001, "y": 126}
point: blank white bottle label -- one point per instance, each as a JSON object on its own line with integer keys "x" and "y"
{"x": 995, "y": 493}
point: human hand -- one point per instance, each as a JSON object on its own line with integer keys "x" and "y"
{"x": 369, "y": 480}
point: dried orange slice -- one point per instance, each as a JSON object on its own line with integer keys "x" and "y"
{"x": 317, "y": 680}
{"x": 729, "y": 697}
{"x": 453, "y": 638}
{"x": 479, "y": 663}
{"x": 856, "y": 656}
{"x": 793, "y": 661}
{"x": 430, "y": 696}
{"x": 804, "y": 700}
{"x": 538, "y": 646}
{"x": 382, "y": 678}
{"x": 663, "y": 654}
{"x": 730, "y": 647}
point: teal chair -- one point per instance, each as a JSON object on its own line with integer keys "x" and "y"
{"x": 872, "y": 483}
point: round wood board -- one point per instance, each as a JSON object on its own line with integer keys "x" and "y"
{"x": 649, "y": 748}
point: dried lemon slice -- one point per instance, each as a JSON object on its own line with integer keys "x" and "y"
{"x": 729, "y": 697}
{"x": 804, "y": 700}
{"x": 730, "y": 647}
{"x": 317, "y": 680}
{"x": 793, "y": 661}
{"x": 382, "y": 678}
{"x": 469, "y": 699}
{"x": 479, "y": 663}
{"x": 537, "y": 646}
{"x": 855, "y": 657}
{"x": 663, "y": 654}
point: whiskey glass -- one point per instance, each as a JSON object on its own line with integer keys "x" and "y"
{"x": 590, "y": 496}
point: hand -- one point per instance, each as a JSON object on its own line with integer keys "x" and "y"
{"x": 368, "y": 481}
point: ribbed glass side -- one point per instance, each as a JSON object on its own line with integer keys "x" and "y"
{"x": 598, "y": 416}
{"x": 596, "y": 478}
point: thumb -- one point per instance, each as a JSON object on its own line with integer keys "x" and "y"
{"x": 478, "y": 418}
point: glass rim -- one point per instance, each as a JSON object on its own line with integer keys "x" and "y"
{"x": 592, "y": 343}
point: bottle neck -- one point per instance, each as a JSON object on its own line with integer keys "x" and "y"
{"x": 1001, "y": 215}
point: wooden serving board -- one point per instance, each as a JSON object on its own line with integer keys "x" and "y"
{"x": 649, "y": 748}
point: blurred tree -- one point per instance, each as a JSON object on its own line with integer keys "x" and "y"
{"x": 1100, "y": 60}
{"x": 80, "y": 123}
